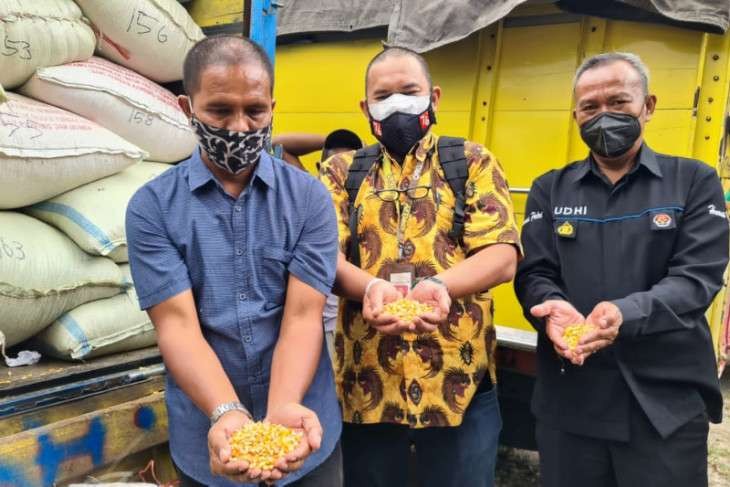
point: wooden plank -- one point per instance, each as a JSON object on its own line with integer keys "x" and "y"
{"x": 77, "y": 446}
{"x": 153, "y": 465}
{"x": 35, "y": 419}
{"x": 51, "y": 369}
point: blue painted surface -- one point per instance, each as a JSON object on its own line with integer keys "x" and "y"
{"x": 51, "y": 455}
{"x": 263, "y": 25}
{"x": 145, "y": 418}
{"x": 11, "y": 475}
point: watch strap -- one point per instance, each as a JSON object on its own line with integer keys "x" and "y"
{"x": 222, "y": 409}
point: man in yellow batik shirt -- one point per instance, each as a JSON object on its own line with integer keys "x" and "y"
{"x": 431, "y": 218}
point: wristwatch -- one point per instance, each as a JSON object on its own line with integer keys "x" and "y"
{"x": 437, "y": 281}
{"x": 226, "y": 407}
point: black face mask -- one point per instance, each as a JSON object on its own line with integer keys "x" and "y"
{"x": 399, "y": 132}
{"x": 611, "y": 134}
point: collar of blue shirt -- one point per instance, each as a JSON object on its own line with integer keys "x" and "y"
{"x": 647, "y": 158}
{"x": 200, "y": 175}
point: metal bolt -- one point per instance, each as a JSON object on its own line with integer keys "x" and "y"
{"x": 710, "y": 100}
{"x": 707, "y": 137}
{"x": 716, "y": 78}
{"x": 489, "y": 68}
{"x": 708, "y": 118}
{"x": 715, "y": 57}
{"x": 484, "y": 119}
{"x": 484, "y": 103}
{"x": 594, "y": 28}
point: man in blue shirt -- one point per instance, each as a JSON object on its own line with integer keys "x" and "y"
{"x": 232, "y": 254}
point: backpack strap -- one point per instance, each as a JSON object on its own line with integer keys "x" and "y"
{"x": 362, "y": 162}
{"x": 453, "y": 162}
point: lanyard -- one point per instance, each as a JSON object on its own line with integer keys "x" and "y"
{"x": 404, "y": 211}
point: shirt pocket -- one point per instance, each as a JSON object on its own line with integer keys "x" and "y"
{"x": 273, "y": 263}
{"x": 663, "y": 226}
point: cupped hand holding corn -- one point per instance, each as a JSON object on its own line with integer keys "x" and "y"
{"x": 406, "y": 310}
{"x": 263, "y": 444}
{"x": 573, "y": 333}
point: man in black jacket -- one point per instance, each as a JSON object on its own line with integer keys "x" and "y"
{"x": 634, "y": 243}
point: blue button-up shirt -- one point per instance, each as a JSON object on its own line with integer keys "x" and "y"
{"x": 185, "y": 232}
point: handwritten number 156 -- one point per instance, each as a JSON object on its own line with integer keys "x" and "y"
{"x": 142, "y": 24}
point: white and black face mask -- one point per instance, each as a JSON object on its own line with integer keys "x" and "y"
{"x": 400, "y": 121}
{"x": 230, "y": 150}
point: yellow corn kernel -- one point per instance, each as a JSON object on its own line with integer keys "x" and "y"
{"x": 263, "y": 444}
{"x": 573, "y": 333}
{"x": 406, "y": 309}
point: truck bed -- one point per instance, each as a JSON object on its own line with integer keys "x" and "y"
{"x": 50, "y": 382}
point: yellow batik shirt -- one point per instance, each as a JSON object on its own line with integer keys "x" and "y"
{"x": 429, "y": 379}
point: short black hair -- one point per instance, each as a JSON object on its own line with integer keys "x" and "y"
{"x": 340, "y": 139}
{"x": 225, "y": 50}
{"x": 389, "y": 52}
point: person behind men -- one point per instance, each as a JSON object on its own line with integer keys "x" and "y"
{"x": 634, "y": 243}
{"x": 433, "y": 216}
{"x": 232, "y": 253}
{"x": 296, "y": 144}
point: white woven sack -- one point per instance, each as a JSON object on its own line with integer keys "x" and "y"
{"x": 3, "y": 98}
{"x": 36, "y": 33}
{"x": 93, "y": 215}
{"x": 43, "y": 274}
{"x": 128, "y": 104}
{"x": 151, "y": 37}
{"x": 45, "y": 151}
{"x": 102, "y": 327}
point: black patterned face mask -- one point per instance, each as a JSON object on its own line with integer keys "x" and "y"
{"x": 230, "y": 150}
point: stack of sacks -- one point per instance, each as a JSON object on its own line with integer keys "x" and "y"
{"x": 110, "y": 325}
{"x": 38, "y": 33}
{"x": 150, "y": 37}
{"x": 93, "y": 215}
{"x": 71, "y": 146}
{"x": 45, "y": 151}
{"x": 43, "y": 274}
{"x": 120, "y": 100}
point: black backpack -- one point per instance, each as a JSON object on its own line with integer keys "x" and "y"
{"x": 453, "y": 162}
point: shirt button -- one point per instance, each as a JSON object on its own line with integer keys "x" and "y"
{"x": 247, "y": 339}
{"x": 239, "y": 252}
{"x": 242, "y": 296}
{"x": 237, "y": 208}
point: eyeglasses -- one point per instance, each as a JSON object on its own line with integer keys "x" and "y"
{"x": 415, "y": 193}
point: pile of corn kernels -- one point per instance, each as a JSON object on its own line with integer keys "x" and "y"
{"x": 263, "y": 444}
{"x": 406, "y": 309}
{"x": 573, "y": 333}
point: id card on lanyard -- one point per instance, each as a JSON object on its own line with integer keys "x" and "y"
{"x": 402, "y": 274}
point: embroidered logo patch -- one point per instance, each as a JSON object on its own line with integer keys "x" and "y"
{"x": 566, "y": 229}
{"x": 425, "y": 120}
{"x": 662, "y": 220}
{"x": 377, "y": 128}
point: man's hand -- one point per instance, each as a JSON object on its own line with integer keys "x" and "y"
{"x": 378, "y": 295}
{"x": 558, "y": 315}
{"x": 219, "y": 449}
{"x": 607, "y": 319}
{"x": 435, "y": 295}
{"x": 299, "y": 418}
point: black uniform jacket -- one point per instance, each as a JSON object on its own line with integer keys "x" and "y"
{"x": 656, "y": 245}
